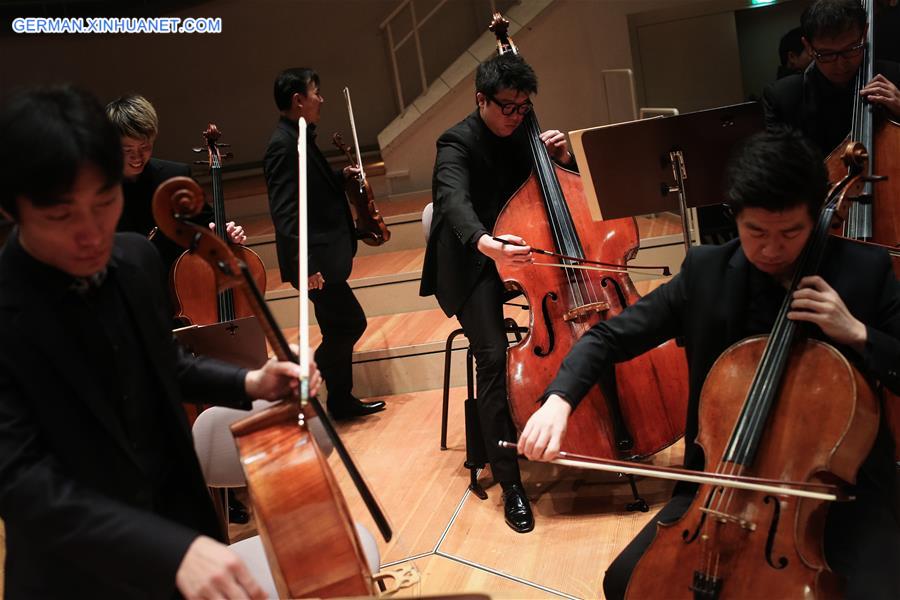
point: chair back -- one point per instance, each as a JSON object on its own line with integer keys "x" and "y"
{"x": 427, "y": 215}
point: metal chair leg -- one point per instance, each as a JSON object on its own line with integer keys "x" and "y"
{"x": 445, "y": 407}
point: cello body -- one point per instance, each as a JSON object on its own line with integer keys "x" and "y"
{"x": 195, "y": 288}
{"x": 644, "y": 399}
{"x": 760, "y": 545}
{"x": 306, "y": 528}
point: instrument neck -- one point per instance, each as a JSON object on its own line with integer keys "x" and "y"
{"x": 225, "y": 299}
{"x": 764, "y": 389}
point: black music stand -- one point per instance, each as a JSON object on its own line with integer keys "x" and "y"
{"x": 631, "y": 169}
{"x": 240, "y": 342}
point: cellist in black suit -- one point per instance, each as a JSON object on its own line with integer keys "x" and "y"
{"x": 725, "y": 293}
{"x": 100, "y": 488}
{"x": 135, "y": 119}
{"x": 332, "y": 236}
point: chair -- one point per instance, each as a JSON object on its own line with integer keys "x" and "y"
{"x": 475, "y": 455}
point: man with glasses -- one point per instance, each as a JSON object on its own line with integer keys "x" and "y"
{"x": 819, "y": 101}
{"x": 480, "y": 163}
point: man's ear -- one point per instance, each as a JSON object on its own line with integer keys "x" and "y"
{"x": 808, "y": 46}
{"x": 297, "y": 100}
{"x": 480, "y": 99}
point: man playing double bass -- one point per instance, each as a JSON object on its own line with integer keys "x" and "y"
{"x": 819, "y": 101}
{"x": 726, "y": 293}
{"x": 480, "y": 163}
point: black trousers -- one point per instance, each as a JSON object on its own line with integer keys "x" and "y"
{"x": 862, "y": 543}
{"x": 481, "y": 317}
{"x": 342, "y": 322}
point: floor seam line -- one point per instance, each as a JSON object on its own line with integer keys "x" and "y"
{"x": 486, "y": 569}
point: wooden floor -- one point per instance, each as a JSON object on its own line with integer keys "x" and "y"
{"x": 459, "y": 543}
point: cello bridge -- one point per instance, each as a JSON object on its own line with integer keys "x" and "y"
{"x": 579, "y": 313}
{"x": 726, "y": 518}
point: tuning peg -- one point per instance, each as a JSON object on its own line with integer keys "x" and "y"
{"x": 228, "y": 155}
{"x": 199, "y": 149}
{"x": 200, "y": 162}
{"x": 222, "y": 145}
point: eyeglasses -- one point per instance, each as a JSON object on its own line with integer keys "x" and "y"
{"x": 830, "y": 57}
{"x": 508, "y": 108}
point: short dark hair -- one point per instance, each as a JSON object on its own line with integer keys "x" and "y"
{"x": 831, "y": 18}
{"x": 792, "y": 41}
{"x": 48, "y": 135}
{"x": 776, "y": 170}
{"x": 505, "y": 71}
{"x": 290, "y": 82}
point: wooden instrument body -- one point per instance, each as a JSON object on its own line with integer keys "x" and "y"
{"x": 306, "y": 528}
{"x": 302, "y": 518}
{"x": 885, "y": 157}
{"x": 370, "y": 226}
{"x": 652, "y": 389}
{"x": 822, "y": 426}
{"x": 195, "y": 287}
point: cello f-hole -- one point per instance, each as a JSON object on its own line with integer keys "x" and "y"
{"x": 549, "y": 296}
{"x": 773, "y": 529}
{"x": 689, "y": 537}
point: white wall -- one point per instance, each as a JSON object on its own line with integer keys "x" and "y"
{"x": 568, "y": 45}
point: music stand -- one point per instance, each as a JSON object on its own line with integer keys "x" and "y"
{"x": 240, "y": 342}
{"x": 632, "y": 169}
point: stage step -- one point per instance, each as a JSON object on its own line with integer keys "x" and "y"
{"x": 384, "y": 284}
{"x": 404, "y": 352}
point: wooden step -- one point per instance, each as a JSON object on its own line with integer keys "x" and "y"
{"x": 383, "y": 283}
{"x": 405, "y": 352}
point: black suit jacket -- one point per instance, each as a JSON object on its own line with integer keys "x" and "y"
{"x": 77, "y": 505}
{"x": 137, "y": 211}
{"x": 475, "y": 173}
{"x": 705, "y": 304}
{"x": 810, "y": 103}
{"x": 332, "y": 242}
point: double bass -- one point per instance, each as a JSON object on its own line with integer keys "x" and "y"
{"x": 639, "y": 406}
{"x": 303, "y": 520}
{"x": 874, "y": 214}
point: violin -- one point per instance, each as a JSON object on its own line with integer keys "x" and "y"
{"x": 303, "y": 520}
{"x": 638, "y": 407}
{"x": 195, "y": 284}
{"x": 370, "y": 226}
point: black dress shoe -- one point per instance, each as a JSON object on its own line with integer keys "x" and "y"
{"x": 350, "y": 409}
{"x": 516, "y": 509}
{"x": 237, "y": 512}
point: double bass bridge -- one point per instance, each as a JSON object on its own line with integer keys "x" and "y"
{"x": 722, "y": 517}
{"x": 580, "y": 313}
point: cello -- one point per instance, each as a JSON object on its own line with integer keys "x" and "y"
{"x": 874, "y": 214}
{"x": 303, "y": 520}
{"x": 754, "y": 409}
{"x": 638, "y": 407}
{"x": 195, "y": 284}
